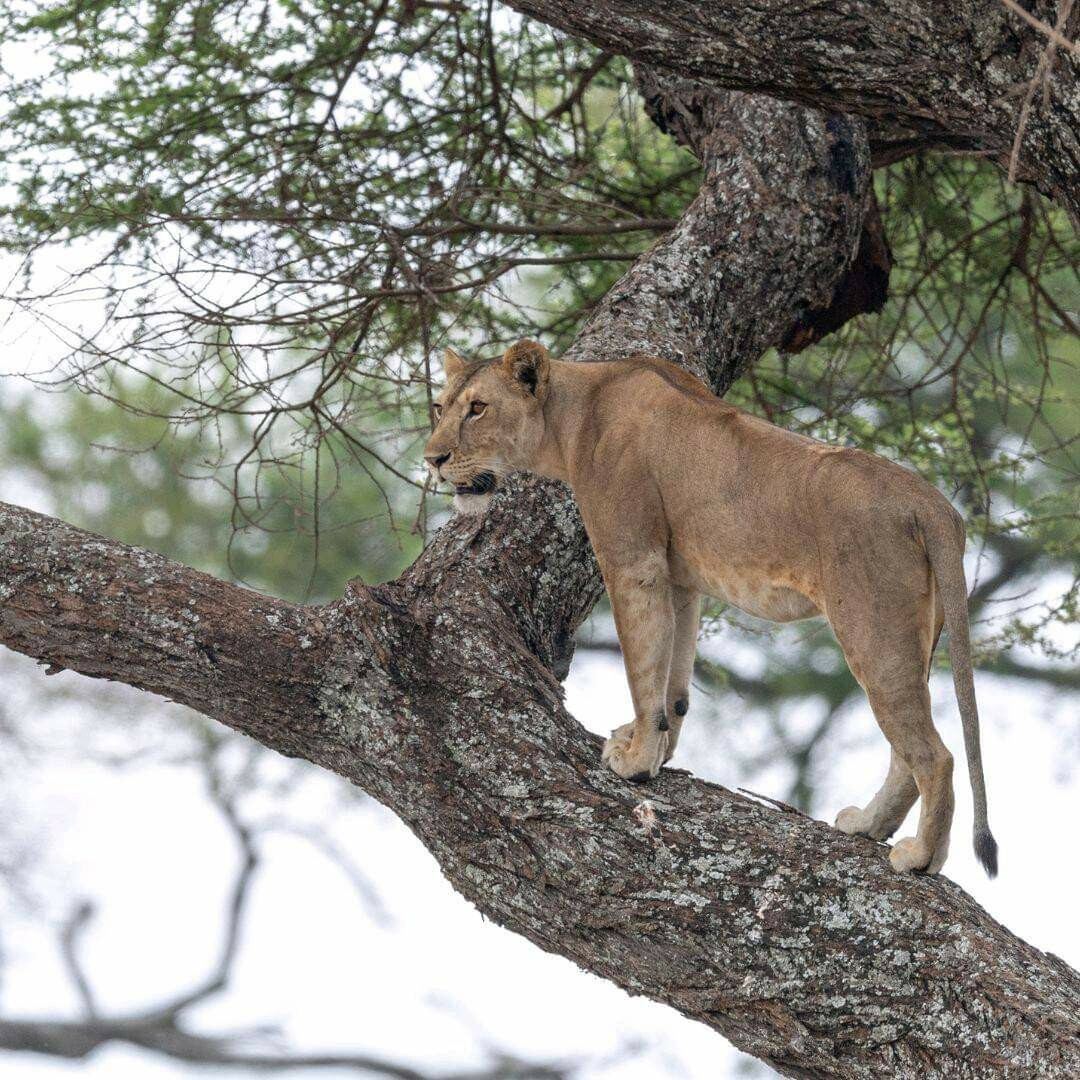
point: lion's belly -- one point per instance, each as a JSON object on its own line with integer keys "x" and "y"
{"x": 750, "y": 589}
{"x": 777, "y": 603}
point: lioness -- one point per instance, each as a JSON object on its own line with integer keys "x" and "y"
{"x": 683, "y": 494}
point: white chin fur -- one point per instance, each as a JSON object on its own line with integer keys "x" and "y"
{"x": 471, "y": 505}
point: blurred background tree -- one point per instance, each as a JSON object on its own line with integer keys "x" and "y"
{"x": 238, "y": 238}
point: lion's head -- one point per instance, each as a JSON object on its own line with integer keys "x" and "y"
{"x": 489, "y": 421}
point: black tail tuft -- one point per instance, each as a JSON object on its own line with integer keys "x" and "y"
{"x": 987, "y": 850}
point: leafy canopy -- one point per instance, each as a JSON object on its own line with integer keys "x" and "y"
{"x": 281, "y": 212}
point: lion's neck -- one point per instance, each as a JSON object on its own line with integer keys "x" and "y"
{"x": 567, "y": 414}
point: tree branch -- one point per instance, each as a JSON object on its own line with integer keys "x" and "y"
{"x": 69, "y": 945}
{"x": 437, "y": 694}
{"x": 79, "y": 1039}
{"x": 923, "y": 74}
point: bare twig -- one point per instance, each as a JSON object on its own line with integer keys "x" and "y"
{"x": 1051, "y": 32}
{"x": 1041, "y": 78}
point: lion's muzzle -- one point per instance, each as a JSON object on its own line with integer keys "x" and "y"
{"x": 482, "y": 484}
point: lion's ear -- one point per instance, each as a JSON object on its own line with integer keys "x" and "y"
{"x": 527, "y": 364}
{"x": 453, "y": 364}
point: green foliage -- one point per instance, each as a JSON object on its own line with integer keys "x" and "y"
{"x": 314, "y": 128}
{"x": 132, "y": 477}
{"x": 287, "y": 209}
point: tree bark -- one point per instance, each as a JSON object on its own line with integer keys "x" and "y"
{"x": 438, "y": 693}
{"x": 924, "y": 74}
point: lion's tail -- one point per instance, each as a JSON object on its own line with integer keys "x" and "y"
{"x": 943, "y": 534}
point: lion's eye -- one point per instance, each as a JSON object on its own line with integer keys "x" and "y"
{"x": 437, "y": 410}
{"x": 478, "y": 408}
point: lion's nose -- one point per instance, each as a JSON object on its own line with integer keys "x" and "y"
{"x": 436, "y": 460}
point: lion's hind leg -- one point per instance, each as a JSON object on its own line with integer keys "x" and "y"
{"x": 888, "y": 634}
{"x": 904, "y": 716}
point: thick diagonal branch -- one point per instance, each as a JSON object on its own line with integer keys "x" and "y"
{"x": 922, "y": 73}
{"x": 437, "y": 694}
{"x": 798, "y": 943}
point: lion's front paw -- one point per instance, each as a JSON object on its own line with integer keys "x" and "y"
{"x": 632, "y": 762}
{"x": 909, "y": 854}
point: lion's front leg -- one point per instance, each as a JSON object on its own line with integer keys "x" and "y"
{"x": 683, "y": 653}
{"x": 641, "y": 598}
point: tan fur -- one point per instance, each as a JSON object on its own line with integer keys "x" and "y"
{"x": 684, "y": 495}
